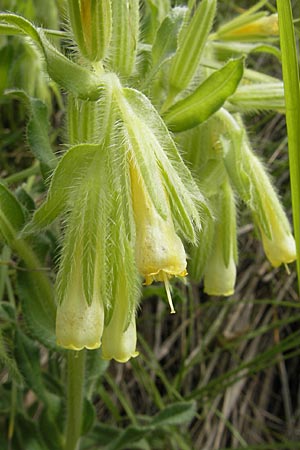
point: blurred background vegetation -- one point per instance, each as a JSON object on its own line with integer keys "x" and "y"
{"x": 238, "y": 358}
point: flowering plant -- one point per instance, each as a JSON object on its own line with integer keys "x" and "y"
{"x": 156, "y": 157}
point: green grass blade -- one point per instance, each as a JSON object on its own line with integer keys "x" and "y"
{"x": 292, "y": 98}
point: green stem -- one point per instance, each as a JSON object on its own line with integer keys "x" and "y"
{"x": 75, "y": 396}
{"x": 41, "y": 280}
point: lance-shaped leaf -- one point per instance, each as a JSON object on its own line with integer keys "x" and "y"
{"x": 35, "y": 293}
{"x": 37, "y": 129}
{"x": 206, "y": 99}
{"x": 67, "y": 175}
{"x": 165, "y": 43}
{"x": 69, "y": 75}
{"x": 175, "y": 414}
{"x": 153, "y": 14}
{"x": 33, "y": 286}
{"x": 11, "y": 215}
{"x": 28, "y": 359}
{"x": 8, "y": 362}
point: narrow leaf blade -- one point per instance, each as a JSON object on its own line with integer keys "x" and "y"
{"x": 206, "y": 99}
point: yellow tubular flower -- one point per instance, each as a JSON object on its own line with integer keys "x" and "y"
{"x": 159, "y": 251}
{"x": 281, "y": 248}
{"x": 116, "y": 343}
{"x": 262, "y": 27}
{"x": 278, "y": 241}
{"x": 219, "y": 279}
{"x": 79, "y": 325}
{"x": 119, "y": 336}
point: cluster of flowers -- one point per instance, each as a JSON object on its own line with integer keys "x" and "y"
{"x": 127, "y": 198}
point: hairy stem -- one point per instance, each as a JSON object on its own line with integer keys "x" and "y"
{"x": 75, "y": 395}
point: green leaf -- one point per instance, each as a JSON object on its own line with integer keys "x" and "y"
{"x": 69, "y": 75}
{"x": 8, "y": 362}
{"x": 68, "y": 174}
{"x": 27, "y": 355}
{"x": 206, "y": 99}
{"x": 153, "y": 14}
{"x": 89, "y": 415}
{"x": 11, "y": 215}
{"x": 130, "y": 435}
{"x": 102, "y": 435}
{"x": 38, "y": 134}
{"x": 28, "y": 359}
{"x": 175, "y": 414}
{"x": 165, "y": 43}
{"x": 290, "y": 69}
{"x": 22, "y": 25}
{"x": 27, "y": 435}
{"x": 38, "y": 316}
{"x": 48, "y": 425}
{"x": 37, "y": 129}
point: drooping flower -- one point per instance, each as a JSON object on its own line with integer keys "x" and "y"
{"x": 254, "y": 186}
{"x": 119, "y": 336}
{"x": 249, "y": 27}
{"x": 280, "y": 247}
{"x": 79, "y": 324}
{"x": 160, "y": 254}
{"x": 119, "y": 343}
{"x": 277, "y": 239}
{"x": 219, "y": 279}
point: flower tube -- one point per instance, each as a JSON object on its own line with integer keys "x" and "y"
{"x": 159, "y": 253}
{"x": 79, "y": 324}
{"x": 119, "y": 336}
